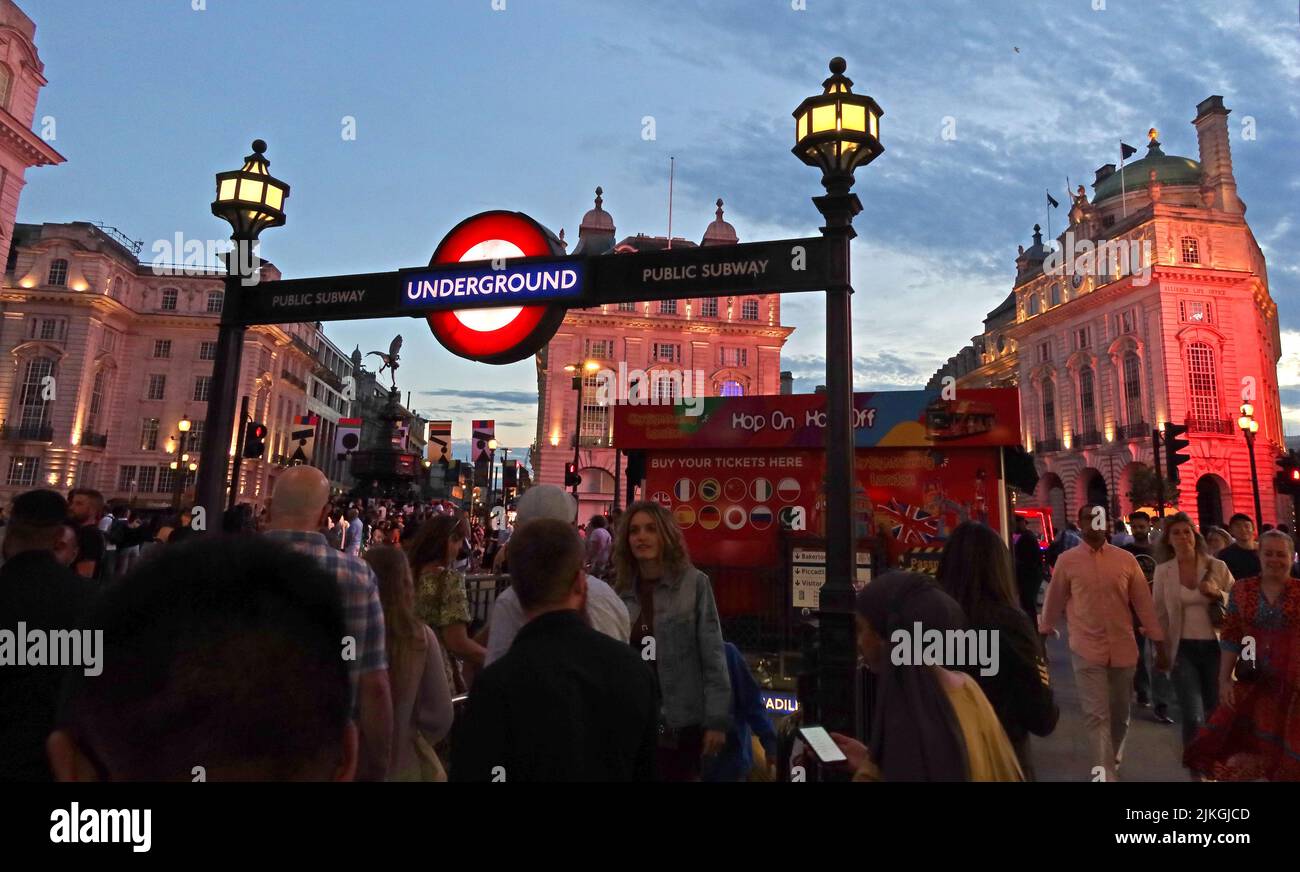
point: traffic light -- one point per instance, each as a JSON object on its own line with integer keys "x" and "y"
{"x": 1287, "y": 480}
{"x": 1173, "y": 446}
{"x": 254, "y": 439}
{"x": 571, "y": 477}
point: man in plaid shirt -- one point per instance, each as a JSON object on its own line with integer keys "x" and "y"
{"x": 299, "y": 506}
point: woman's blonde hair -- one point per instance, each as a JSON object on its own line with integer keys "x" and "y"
{"x": 1165, "y": 548}
{"x": 674, "y": 557}
{"x": 403, "y": 631}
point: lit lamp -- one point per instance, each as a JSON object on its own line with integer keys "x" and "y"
{"x": 838, "y": 131}
{"x": 178, "y": 465}
{"x": 250, "y": 199}
{"x": 1249, "y": 427}
{"x": 579, "y": 371}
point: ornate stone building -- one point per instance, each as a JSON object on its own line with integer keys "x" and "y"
{"x": 1153, "y": 306}
{"x": 725, "y": 346}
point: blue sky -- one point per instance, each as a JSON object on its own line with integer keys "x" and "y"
{"x": 461, "y": 107}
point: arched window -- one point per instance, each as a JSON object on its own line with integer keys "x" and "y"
{"x": 96, "y": 403}
{"x": 1031, "y": 305}
{"x": 58, "y": 273}
{"x": 1049, "y": 409}
{"x": 732, "y": 388}
{"x": 1202, "y": 382}
{"x": 34, "y": 409}
{"x": 1133, "y": 388}
{"x": 1054, "y": 295}
{"x": 1087, "y": 401}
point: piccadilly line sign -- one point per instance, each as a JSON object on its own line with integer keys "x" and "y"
{"x": 533, "y": 291}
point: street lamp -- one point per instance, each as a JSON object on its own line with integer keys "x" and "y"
{"x": 178, "y": 486}
{"x": 250, "y": 199}
{"x": 838, "y": 131}
{"x": 1249, "y": 427}
{"x": 579, "y": 371}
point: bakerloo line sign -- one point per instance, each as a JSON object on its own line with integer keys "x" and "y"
{"x": 498, "y": 285}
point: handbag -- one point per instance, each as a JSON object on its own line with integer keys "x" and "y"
{"x": 1218, "y": 612}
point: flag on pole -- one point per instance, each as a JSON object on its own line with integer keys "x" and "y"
{"x": 1126, "y": 151}
{"x": 1052, "y": 200}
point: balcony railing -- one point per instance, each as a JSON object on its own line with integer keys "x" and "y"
{"x": 95, "y": 440}
{"x": 27, "y": 433}
{"x": 1046, "y": 446}
{"x": 1211, "y": 425}
{"x": 1092, "y": 438}
{"x": 293, "y": 379}
{"x": 1136, "y": 430}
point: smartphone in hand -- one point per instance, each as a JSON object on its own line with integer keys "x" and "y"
{"x": 822, "y": 745}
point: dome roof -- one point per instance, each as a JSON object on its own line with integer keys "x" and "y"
{"x": 597, "y": 220}
{"x": 1169, "y": 169}
{"x": 719, "y": 232}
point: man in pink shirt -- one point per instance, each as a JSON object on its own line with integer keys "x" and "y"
{"x": 1098, "y": 587}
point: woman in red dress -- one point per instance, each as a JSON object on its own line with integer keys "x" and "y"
{"x": 1254, "y": 734}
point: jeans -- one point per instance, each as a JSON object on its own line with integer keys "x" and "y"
{"x": 1196, "y": 682}
{"x": 1104, "y": 693}
{"x": 1148, "y": 682}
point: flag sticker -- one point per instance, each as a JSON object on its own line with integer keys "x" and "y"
{"x": 760, "y": 517}
{"x": 788, "y": 489}
{"x": 684, "y": 516}
{"x": 735, "y": 517}
{"x": 684, "y": 490}
{"x": 735, "y": 490}
{"x": 710, "y": 490}
{"x": 761, "y": 490}
{"x": 710, "y": 517}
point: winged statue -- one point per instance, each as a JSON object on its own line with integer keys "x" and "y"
{"x": 389, "y": 360}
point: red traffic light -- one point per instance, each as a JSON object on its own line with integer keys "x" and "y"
{"x": 1295, "y": 475}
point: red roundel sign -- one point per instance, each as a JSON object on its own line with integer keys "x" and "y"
{"x": 500, "y": 335}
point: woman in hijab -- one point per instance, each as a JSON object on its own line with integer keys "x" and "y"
{"x": 929, "y": 723}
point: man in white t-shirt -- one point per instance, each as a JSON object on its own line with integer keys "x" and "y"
{"x": 605, "y": 609}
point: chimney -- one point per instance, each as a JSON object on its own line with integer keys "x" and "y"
{"x": 1102, "y": 173}
{"x": 787, "y": 382}
{"x": 1216, "y": 156}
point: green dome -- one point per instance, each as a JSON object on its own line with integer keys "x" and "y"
{"x": 1170, "y": 170}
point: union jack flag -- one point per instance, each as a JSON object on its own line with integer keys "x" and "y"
{"x": 911, "y": 524}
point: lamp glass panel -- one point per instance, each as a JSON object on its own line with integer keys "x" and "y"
{"x": 1254, "y": 426}
{"x": 823, "y": 118}
{"x": 874, "y": 120}
{"x": 251, "y": 190}
{"x": 801, "y": 128}
{"x": 854, "y": 117}
{"x": 227, "y": 189}
{"x": 274, "y": 196}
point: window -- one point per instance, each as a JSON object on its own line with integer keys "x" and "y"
{"x": 115, "y": 288}
{"x": 6, "y": 78}
{"x": 157, "y": 387}
{"x": 1087, "y": 400}
{"x": 1126, "y": 322}
{"x": 1083, "y": 337}
{"x": 149, "y": 435}
{"x": 146, "y": 478}
{"x": 58, "y": 273}
{"x": 207, "y": 351}
{"x": 749, "y": 310}
{"x": 709, "y": 307}
{"x": 1031, "y": 305}
{"x": 667, "y": 387}
{"x": 194, "y": 438}
{"x": 1049, "y": 409}
{"x": 162, "y": 348}
{"x": 1195, "y": 311}
{"x": 1044, "y": 352}
{"x": 87, "y": 474}
{"x": 627, "y": 307}
{"x": 216, "y": 300}
{"x": 166, "y": 479}
{"x": 109, "y": 340}
{"x": 169, "y": 297}
{"x": 202, "y": 385}
{"x": 1132, "y": 388}
{"x": 731, "y": 388}
{"x": 667, "y": 307}
{"x": 1054, "y": 295}
{"x": 1190, "y": 251}
{"x": 667, "y": 352}
{"x": 126, "y": 478}
{"x": 1202, "y": 382}
{"x": 23, "y": 470}
{"x": 34, "y": 412}
{"x": 734, "y": 357}
{"x": 599, "y": 348}
{"x": 49, "y": 328}
{"x": 96, "y": 402}
{"x": 595, "y": 416}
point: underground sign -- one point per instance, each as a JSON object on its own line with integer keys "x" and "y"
{"x": 504, "y": 333}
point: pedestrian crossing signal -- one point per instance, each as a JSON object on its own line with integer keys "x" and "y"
{"x": 254, "y": 439}
{"x": 571, "y": 477}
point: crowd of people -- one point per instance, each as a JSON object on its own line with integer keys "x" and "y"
{"x": 328, "y": 639}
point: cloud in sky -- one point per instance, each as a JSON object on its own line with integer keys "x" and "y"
{"x": 460, "y": 108}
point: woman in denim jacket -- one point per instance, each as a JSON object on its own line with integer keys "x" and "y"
{"x": 676, "y": 629}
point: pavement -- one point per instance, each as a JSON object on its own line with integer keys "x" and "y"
{"x": 1152, "y": 752}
